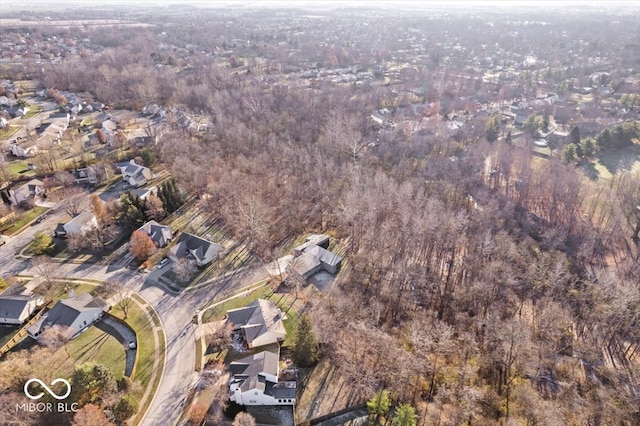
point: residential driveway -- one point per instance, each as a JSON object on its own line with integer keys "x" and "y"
{"x": 125, "y": 335}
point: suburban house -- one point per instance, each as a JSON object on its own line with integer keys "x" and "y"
{"x": 313, "y": 257}
{"x": 144, "y": 193}
{"x": 18, "y": 111}
{"x": 135, "y": 174}
{"x": 160, "y": 235}
{"x": 259, "y": 323}
{"x": 199, "y": 249}
{"x": 28, "y": 191}
{"x": 78, "y": 225}
{"x": 27, "y": 149}
{"x": 17, "y": 309}
{"x": 254, "y": 381}
{"x": 77, "y": 313}
{"x": 85, "y": 175}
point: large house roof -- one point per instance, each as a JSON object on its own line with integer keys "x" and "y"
{"x": 13, "y": 306}
{"x": 66, "y": 311}
{"x": 203, "y": 250}
{"x": 82, "y": 219}
{"x": 313, "y": 257}
{"x": 159, "y": 234}
{"x": 250, "y": 370}
{"x": 258, "y": 318}
{"x": 29, "y": 187}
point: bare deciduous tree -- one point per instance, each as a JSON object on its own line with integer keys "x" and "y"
{"x": 184, "y": 269}
{"x": 56, "y": 336}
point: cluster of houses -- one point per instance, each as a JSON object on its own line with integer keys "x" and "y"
{"x": 256, "y": 379}
{"x": 77, "y": 313}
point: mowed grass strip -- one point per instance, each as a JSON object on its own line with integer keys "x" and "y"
{"x": 143, "y": 370}
{"x": 139, "y": 322}
{"x": 23, "y": 220}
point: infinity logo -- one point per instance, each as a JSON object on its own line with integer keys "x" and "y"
{"x": 52, "y": 393}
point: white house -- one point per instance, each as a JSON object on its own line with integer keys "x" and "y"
{"x": 25, "y": 150}
{"x": 260, "y": 323}
{"x": 80, "y": 224}
{"x": 29, "y": 190}
{"x": 254, "y": 381}
{"x": 77, "y": 313}
{"x": 135, "y": 174}
{"x": 16, "y": 309}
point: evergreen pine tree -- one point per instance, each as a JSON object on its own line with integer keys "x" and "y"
{"x": 305, "y": 351}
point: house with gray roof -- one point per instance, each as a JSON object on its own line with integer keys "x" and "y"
{"x": 29, "y": 190}
{"x": 85, "y": 175}
{"x": 78, "y": 225}
{"x": 200, "y": 250}
{"x": 313, "y": 257}
{"x": 17, "y": 309}
{"x": 135, "y": 174}
{"x": 78, "y": 313}
{"x": 254, "y": 381}
{"x": 259, "y": 323}
{"x": 161, "y": 235}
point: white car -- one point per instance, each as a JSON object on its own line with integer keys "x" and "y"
{"x": 163, "y": 262}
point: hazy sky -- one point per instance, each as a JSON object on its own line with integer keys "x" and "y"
{"x": 515, "y": 3}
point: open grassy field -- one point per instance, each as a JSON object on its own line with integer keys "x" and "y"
{"x": 18, "y": 168}
{"x": 93, "y": 346}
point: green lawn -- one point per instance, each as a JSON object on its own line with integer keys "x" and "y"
{"x": 19, "y": 168}
{"x": 33, "y": 111}
{"x": 23, "y": 220}
{"x": 8, "y": 132}
{"x": 219, "y": 311}
{"x": 146, "y": 353}
{"x": 98, "y": 347}
{"x": 93, "y": 346}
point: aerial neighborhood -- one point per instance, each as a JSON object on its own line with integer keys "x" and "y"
{"x": 397, "y": 213}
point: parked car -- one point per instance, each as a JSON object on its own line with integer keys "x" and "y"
{"x": 163, "y": 262}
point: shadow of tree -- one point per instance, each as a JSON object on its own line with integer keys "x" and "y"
{"x": 591, "y": 171}
{"x": 619, "y": 159}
